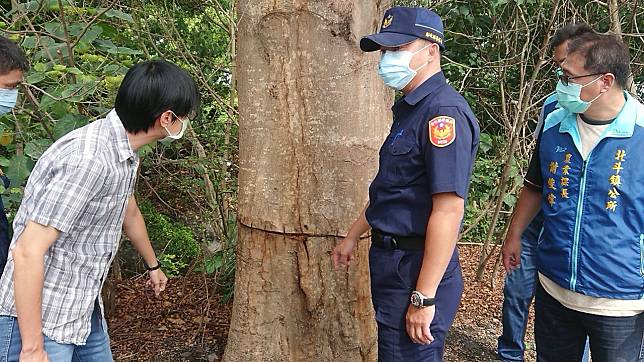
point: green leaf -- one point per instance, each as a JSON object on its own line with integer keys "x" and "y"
{"x": 509, "y": 199}
{"x": 35, "y": 149}
{"x": 60, "y": 109}
{"x": 75, "y": 29}
{"x": 29, "y": 6}
{"x": 485, "y": 143}
{"x": 54, "y": 49}
{"x": 72, "y": 89}
{"x": 104, "y": 44}
{"x": 55, "y": 28}
{"x": 19, "y": 168}
{"x": 123, "y": 50}
{"x": 40, "y": 67}
{"x": 115, "y": 13}
{"x": 92, "y": 34}
{"x": 112, "y": 69}
{"x": 68, "y": 123}
{"x": 4, "y": 162}
{"x": 35, "y": 78}
{"x": 74, "y": 70}
{"x": 145, "y": 150}
{"x": 29, "y": 42}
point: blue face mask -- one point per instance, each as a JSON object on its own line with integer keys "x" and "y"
{"x": 569, "y": 96}
{"x": 394, "y": 68}
{"x": 8, "y": 98}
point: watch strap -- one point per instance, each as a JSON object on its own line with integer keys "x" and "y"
{"x": 428, "y": 302}
{"x": 152, "y": 268}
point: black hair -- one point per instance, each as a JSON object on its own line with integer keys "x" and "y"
{"x": 151, "y": 88}
{"x": 603, "y": 53}
{"x": 568, "y": 32}
{"x": 11, "y": 57}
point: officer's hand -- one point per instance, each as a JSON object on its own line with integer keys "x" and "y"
{"x": 343, "y": 252}
{"x": 418, "y": 321}
{"x": 511, "y": 253}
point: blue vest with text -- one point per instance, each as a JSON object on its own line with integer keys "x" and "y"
{"x": 593, "y": 237}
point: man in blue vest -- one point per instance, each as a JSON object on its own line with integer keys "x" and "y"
{"x": 587, "y": 177}
{"x": 520, "y": 285}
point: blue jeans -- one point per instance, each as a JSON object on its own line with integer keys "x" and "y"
{"x": 561, "y": 333}
{"x": 517, "y": 295}
{"x": 96, "y": 349}
{"x": 518, "y": 292}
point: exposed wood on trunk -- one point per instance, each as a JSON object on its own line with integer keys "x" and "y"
{"x": 313, "y": 114}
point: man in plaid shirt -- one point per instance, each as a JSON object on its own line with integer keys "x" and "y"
{"x": 78, "y": 200}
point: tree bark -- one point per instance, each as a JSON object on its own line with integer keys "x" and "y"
{"x": 616, "y": 28}
{"x": 313, "y": 114}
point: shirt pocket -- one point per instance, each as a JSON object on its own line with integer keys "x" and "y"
{"x": 397, "y": 160}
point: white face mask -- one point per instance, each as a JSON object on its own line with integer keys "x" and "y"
{"x": 171, "y": 137}
{"x": 394, "y": 67}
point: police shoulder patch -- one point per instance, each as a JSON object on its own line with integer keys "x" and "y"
{"x": 442, "y": 131}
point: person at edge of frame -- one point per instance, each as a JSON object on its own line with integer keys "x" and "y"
{"x": 13, "y": 65}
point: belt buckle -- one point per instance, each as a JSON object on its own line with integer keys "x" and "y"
{"x": 394, "y": 243}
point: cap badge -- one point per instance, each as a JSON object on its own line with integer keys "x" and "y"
{"x": 388, "y": 20}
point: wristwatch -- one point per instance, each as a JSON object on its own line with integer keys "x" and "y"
{"x": 418, "y": 300}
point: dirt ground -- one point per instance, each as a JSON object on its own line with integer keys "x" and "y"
{"x": 191, "y": 325}
{"x": 474, "y": 334}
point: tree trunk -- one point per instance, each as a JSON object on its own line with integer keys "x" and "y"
{"x": 313, "y": 114}
{"x": 616, "y": 28}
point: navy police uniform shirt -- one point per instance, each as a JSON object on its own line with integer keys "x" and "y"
{"x": 430, "y": 149}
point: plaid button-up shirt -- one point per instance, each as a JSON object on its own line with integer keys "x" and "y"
{"x": 80, "y": 186}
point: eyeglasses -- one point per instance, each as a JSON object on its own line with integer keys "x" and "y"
{"x": 565, "y": 79}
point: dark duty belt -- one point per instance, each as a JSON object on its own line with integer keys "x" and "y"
{"x": 387, "y": 241}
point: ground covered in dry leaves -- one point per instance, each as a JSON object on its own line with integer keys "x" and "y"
{"x": 190, "y": 323}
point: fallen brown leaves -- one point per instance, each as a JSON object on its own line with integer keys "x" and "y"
{"x": 473, "y": 336}
{"x": 188, "y": 323}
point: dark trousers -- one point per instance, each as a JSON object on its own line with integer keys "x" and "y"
{"x": 4, "y": 230}
{"x": 561, "y": 333}
{"x": 393, "y": 277}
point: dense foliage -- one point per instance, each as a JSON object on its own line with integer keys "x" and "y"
{"x": 497, "y": 56}
{"x": 79, "y": 52}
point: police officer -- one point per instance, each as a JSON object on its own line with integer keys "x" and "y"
{"x": 417, "y": 199}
